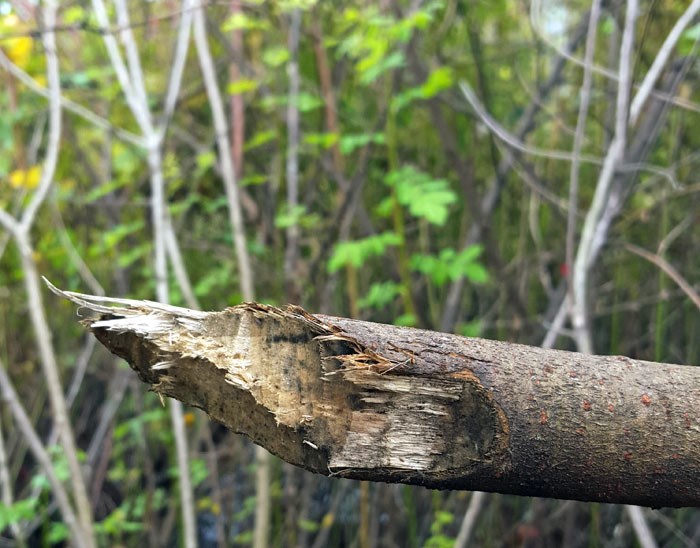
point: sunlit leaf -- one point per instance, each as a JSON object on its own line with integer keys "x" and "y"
{"x": 275, "y": 56}
{"x": 394, "y": 60}
{"x": 380, "y": 295}
{"x": 17, "y": 48}
{"x": 260, "y": 138}
{"x": 424, "y": 196}
{"x": 440, "y": 79}
{"x": 306, "y": 102}
{"x": 243, "y": 85}
{"x": 348, "y": 143}
{"x": 355, "y": 253}
{"x": 324, "y": 140}
{"x": 242, "y": 21}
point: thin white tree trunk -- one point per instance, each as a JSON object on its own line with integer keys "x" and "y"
{"x": 262, "y": 457}
{"x": 131, "y": 80}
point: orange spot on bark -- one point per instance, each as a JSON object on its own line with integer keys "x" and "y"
{"x": 587, "y": 406}
{"x": 646, "y": 399}
{"x": 544, "y": 419}
{"x": 611, "y": 408}
{"x": 627, "y": 455}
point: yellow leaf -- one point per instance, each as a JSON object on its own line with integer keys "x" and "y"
{"x": 28, "y": 179}
{"x": 328, "y": 520}
{"x": 19, "y": 48}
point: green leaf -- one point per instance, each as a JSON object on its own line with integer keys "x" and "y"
{"x": 440, "y": 79}
{"x": 213, "y": 279}
{"x": 406, "y": 320}
{"x": 450, "y": 265}
{"x": 288, "y": 217}
{"x": 198, "y": 471}
{"x": 289, "y": 5}
{"x": 58, "y": 532}
{"x": 133, "y": 254}
{"x": 355, "y": 253}
{"x": 470, "y": 329}
{"x": 692, "y": 33}
{"x": 349, "y": 143}
{"x": 102, "y": 190}
{"x": 112, "y": 237}
{"x": 323, "y": 140}
{"x": 242, "y": 21}
{"x": 260, "y": 138}
{"x": 306, "y": 102}
{"x": 275, "y": 56}
{"x": 308, "y": 525}
{"x": 424, "y": 196}
{"x": 392, "y": 61}
{"x": 241, "y": 86}
{"x": 380, "y": 295}
{"x": 17, "y": 512}
{"x": 253, "y": 179}
{"x": 205, "y": 160}
{"x": 436, "y": 269}
{"x": 405, "y": 98}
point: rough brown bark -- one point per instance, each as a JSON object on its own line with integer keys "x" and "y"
{"x": 376, "y": 402}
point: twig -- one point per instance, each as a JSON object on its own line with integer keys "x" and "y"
{"x": 585, "y": 97}
{"x": 40, "y": 454}
{"x": 661, "y": 59}
{"x": 641, "y": 528}
{"x": 669, "y": 270}
{"x": 613, "y": 159}
{"x": 222, "y": 141}
{"x": 292, "y": 248}
{"x": 263, "y": 459}
{"x": 470, "y": 516}
{"x": 6, "y": 486}
{"x": 131, "y": 80}
{"x": 69, "y": 105}
{"x": 535, "y": 9}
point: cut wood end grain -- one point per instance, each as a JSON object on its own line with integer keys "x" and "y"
{"x": 358, "y": 408}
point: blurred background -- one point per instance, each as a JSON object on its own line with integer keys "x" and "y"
{"x": 518, "y": 170}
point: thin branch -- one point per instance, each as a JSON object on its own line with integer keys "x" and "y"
{"x": 292, "y": 249}
{"x": 613, "y": 159}
{"x": 227, "y": 169}
{"x": 54, "y": 138}
{"x": 500, "y": 132}
{"x": 641, "y": 528}
{"x": 488, "y": 202}
{"x": 535, "y": 10}
{"x": 6, "y": 487}
{"x": 228, "y": 173}
{"x": 585, "y": 97}
{"x": 669, "y": 270}
{"x": 178, "y": 65}
{"x": 24, "y": 424}
{"x": 69, "y": 105}
{"x": 122, "y": 72}
{"x": 476, "y": 502}
{"x": 661, "y": 59}
{"x": 133, "y": 85}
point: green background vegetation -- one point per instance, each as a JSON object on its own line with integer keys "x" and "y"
{"x": 394, "y": 176}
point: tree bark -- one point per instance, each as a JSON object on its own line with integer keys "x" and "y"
{"x": 355, "y": 399}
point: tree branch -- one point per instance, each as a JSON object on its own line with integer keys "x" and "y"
{"x": 348, "y": 398}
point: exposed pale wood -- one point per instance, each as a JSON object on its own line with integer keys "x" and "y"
{"x": 377, "y": 402}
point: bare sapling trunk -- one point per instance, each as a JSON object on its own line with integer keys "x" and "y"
{"x": 377, "y": 402}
